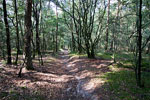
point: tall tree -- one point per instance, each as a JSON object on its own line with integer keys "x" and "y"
{"x": 84, "y": 18}
{"x": 17, "y": 31}
{"x": 139, "y": 44}
{"x": 28, "y": 34}
{"x": 107, "y": 29}
{"x": 36, "y": 16}
{"x": 56, "y": 29}
{"x": 77, "y": 25}
{"x": 37, "y": 12}
{"x": 7, "y": 33}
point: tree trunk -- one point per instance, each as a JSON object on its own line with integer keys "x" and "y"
{"x": 73, "y": 42}
{"x": 72, "y": 35}
{"x": 33, "y": 48}
{"x": 37, "y": 16}
{"x": 139, "y": 45}
{"x": 22, "y": 34}
{"x": 56, "y": 30}
{"x": 37, "y": 34}
{"x": 92, "y": 52}
{"x": 28, "y": 33}
{"x": 53, "y": 43}
{"x": 7, "y": 34}
{"x": 17, "y": 32}
{"x": 107, "y": 30}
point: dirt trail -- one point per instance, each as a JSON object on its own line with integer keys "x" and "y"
{"x": 61, "y": 78}
{"x": 83, "y": 73}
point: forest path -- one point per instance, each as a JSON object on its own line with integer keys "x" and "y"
{"x": 60, "y": 78}
{"x": 85, "y": 73}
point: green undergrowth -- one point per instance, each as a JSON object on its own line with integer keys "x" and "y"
{"x": 118, "y": 56}
{"x": 77, "y": 54}
{"x": 129, "y": 64}
{"x": 126, "y": 60}
{"x": 122, "y": 85}
{"x": 104, "y": 55}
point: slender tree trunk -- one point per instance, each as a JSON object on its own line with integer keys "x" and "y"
{"x": 56, "y": 30}
{"x": 107, "y": 30}
{"x": 54, "y": 43}
{"x": 73, "y": 42}
{"x": 17, "y": 31}
{"x": 44, "y": 44}
{"x": 80, "y": 43}
{"x": 2, "y": 44}
{"x": 136, "y": 49}
{"x": 37, "y": 33}
{"x": 28, "y": 33}
{"x": 37, "y": 16}
{"x": 77, "y": 28}
{"x": 139, "y": 44}
{"x": 72, "y": 33}
{"x": 113, "y": 44}
{"x": 7, "y": 33}
{"x": 22, "y": 34}
{"x": 34, "y": 48}
{"x": 115, "y": 41}
{"x": 72, "y": 37}
{"x": 92, "y": 52}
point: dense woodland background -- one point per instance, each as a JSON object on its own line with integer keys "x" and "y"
{"x": 115, "y": 30}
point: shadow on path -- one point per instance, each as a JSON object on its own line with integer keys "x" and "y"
{"x": 61, "y": 78}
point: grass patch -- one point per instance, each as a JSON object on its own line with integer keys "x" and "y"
{"x": 122, "y": 84}
{"x": 124, "y": 64}
{"x": 77, "y": 54}
{"x": 124, "y": 56}
{"x": 105, "y": 55}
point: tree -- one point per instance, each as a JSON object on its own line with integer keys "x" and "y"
{"x": 17, "y": 31}
{"x": 7, "y": 33}
{"x": 107, "y": 29}
{"x": 56, "y": 48}
{"x": 28, "y": 33}
{"x": 37, "y": 12}
{"x": 139, "y": 45}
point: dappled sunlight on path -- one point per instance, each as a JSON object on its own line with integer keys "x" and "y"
{"x": 60, "y": 78}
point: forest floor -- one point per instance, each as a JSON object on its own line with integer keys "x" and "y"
{"x": 61, "y": 78}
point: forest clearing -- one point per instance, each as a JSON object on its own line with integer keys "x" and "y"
{"x": 74, "y": 50}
